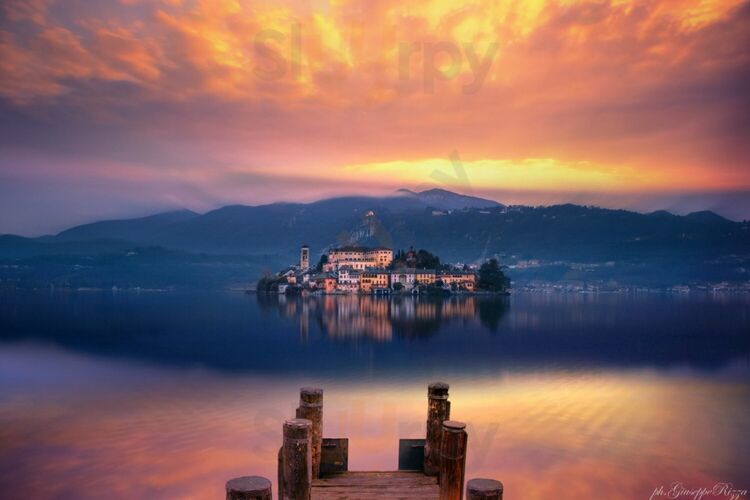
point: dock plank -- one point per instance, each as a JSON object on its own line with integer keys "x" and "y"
{"x": 397, "y": 485}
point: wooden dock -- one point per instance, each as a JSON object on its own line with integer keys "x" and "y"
{"x": 311, "y": 467}
{"x": 395, "y": 485}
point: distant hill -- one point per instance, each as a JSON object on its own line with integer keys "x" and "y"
{"x": 707, "y": 217}
{"x": 623, "y": 245}
{"x": 446, "y": 200}
{"x": 140, "y": 229}
{"x": 278, "y": 227}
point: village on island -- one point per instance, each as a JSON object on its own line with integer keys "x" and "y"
{"x": 377, "y": 271}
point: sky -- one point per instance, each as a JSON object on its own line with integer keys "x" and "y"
{"x": 121, "y": 108}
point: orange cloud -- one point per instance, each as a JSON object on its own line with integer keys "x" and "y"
{"x": 346, "y": 46}
{"x": 645, "y": 95}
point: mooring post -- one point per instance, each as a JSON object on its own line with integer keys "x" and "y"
{"x": 452, "y": 460}
{"x": 280, "y": 473}
{"x": 249, "y": 488}
{"x": 297, "y": 458}
{"x": 484, "y": 489}
{"x": 438, "y": 411}
{"x": 311, "y": 408}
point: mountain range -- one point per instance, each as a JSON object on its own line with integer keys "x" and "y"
{"x": 564, "y": 242}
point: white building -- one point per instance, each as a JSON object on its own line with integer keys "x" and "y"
{"x": 348, "y": 279}
{"x": 360, "y": 258}
{"x": 406, "y": 277}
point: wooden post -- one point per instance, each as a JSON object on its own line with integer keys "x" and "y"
{"x": 484, "y": 489}
{"x": 311, "y": 408}
{"x": 297, "y": 458}
{"x": 249, "y": 488}
{"x": 438, "y": 411}
{"x": 280, "y": 473}
{"x": 452, "y": 460}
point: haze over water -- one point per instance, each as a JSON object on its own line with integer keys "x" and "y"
{"x": 168, "y": 395}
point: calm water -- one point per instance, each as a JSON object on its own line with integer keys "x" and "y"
{"x": 167, "y": 395}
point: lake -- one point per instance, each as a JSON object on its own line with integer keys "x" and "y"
{"x": 168, "y": 395}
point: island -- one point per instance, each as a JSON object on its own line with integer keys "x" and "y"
{"x": 378, "y": 271}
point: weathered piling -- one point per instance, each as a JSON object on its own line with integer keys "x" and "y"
{"x": 280, "y": 472}
{"x": 452, "y": 460}
{"x": 249, "y": 488}
{"x": 297, "y": 460}
{"x": 438, "y": 411}
{"x": 311, "y": 408}
{"x": 484, "y": 489}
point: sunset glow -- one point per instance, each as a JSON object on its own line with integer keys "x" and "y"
{"x": 214, "y": 102}
{"x": 518, "y": 224}
{"x": 571, "y": 432}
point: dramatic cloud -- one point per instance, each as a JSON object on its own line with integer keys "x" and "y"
{"x": 208, "y": 102}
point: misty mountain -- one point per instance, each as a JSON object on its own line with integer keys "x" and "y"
{"x": 621, "y": 244}
{"x": 277, "y": 227}
{"x": 442, "y": 199}
{"x": 707, "y": 217}
{"x": 560, "y": 232}
{"x": 139, "y": 229}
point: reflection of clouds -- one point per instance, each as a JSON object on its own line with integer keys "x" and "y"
{"x": 381, "y": 318}
{"x": 609, "y": 435}
{"x": 136, "y": 432}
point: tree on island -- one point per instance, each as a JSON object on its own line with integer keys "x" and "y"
{"x": 323, "y": 260}
{"x": 427, "y": 260}
{"x": 492, "y": 278}
{"x": 419, "y": 259}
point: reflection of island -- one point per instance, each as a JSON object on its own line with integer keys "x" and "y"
{"x": 382, "y": 318}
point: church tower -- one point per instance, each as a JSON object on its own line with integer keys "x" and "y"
{"x": 304, "y": 257}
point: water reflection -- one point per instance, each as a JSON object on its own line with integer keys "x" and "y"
{"x": 397, "y": 336}
{"x": 80, "y": 427}
{"x": 381, "y": 319}
{"x": 566, "y": 396}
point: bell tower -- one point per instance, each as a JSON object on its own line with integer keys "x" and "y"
{"x": 304, "y": 257}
